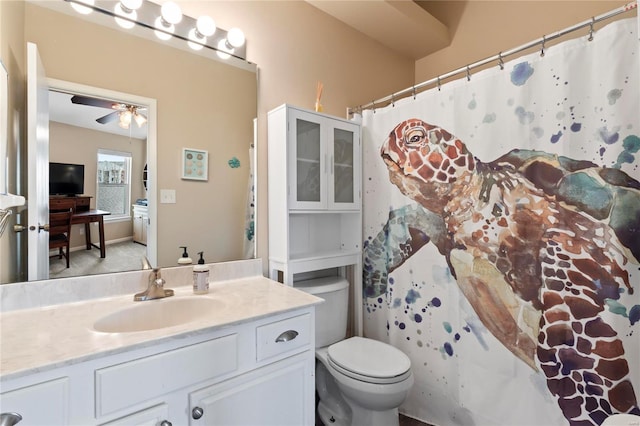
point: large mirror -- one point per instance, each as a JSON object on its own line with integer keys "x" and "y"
{"x": 203, "y": 104}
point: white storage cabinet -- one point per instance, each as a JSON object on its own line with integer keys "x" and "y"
{"x": 315, "y": 199}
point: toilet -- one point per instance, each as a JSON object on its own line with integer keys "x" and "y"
{"x": 359, "y": 381}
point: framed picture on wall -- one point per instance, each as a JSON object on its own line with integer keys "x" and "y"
{"x": 195, "y": 164}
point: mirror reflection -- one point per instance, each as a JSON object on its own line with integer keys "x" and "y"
{"x": 203, "y": 104}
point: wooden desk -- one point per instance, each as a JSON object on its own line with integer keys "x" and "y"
{"x": 87, "y": 217}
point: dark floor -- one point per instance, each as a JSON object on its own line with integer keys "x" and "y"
{"x": 408, "y": 421}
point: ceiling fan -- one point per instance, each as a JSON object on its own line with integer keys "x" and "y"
{"x": 124, "y": 113}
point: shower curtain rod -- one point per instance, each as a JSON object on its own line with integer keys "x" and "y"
{"x": 499, "y": 57}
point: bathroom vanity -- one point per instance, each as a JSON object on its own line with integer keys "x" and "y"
{"x": 241, "y": 355}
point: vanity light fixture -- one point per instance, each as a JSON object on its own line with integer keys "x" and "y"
{"x": 84, "y": 10}
{"x": 205, "y": 27}
{"x": 127, "y": 9}
{"x": 168, "y": 23}
{"x": 170, "y": 15}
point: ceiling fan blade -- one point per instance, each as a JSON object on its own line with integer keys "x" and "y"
{"x": 85, "y": 100}
{"x": 109, "y": 117}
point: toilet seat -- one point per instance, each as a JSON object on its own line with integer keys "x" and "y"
{"x": 369, "y": 361}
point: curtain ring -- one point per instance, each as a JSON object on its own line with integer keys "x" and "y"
{"x": 468, "y": 74}
{"x": 414, "y": 93}
{"x": 439, "y": 83}
{"x": 373, "y": 106}
{"x": 593, "y": 20}
{"x": 542, "y": 49}
{"x": 500, "y": 61}
{"x": 393, "y": 102}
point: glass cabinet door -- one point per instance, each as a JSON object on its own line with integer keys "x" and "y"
{"x": 345, "y": 192}
{"x": 308, "y": 182}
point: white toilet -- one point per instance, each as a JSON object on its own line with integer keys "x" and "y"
{"x": 359, "y": 381}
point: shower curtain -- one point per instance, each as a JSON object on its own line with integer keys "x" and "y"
{"x": 502, "y": 237}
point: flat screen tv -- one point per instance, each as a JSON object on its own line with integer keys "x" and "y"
{"x": 66, "y": 179}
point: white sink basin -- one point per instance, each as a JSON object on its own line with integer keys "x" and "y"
{"x": 160, "y": 313}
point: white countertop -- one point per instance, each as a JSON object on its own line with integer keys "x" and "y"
{"x": 48, "y": 337}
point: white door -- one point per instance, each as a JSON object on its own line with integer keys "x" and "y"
{"x": 38, "y": 165}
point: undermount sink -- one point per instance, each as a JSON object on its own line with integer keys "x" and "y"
{"x": 155, "y": 314}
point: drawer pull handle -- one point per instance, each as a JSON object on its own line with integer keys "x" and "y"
{"x": 166, "y": 423}
{"x": 286, "y": 336}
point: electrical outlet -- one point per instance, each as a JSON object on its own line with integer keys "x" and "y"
{"x": 81, "y": 230}
{"x": 168, "y": 196}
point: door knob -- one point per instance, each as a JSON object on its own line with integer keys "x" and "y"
{"x": 19, "y": 228}
{"x": 197, "y": 412}
{"x": 44, "y": 227}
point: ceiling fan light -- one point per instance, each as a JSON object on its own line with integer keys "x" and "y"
{"x": 224, "y": 49}
{"x": 139, "y": 119}
{"x": 130, "y": 16}
{"x": 162, "y": 29}
{"x": 205, "y": 26}
{"x": 171, "y": 12}
{"x": 84, "y": 10}
{"x": 124, "y": 119}
{"x": 235, "y": 36}
{"x": 195, "y": 40}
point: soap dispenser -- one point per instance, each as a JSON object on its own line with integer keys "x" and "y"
{"x": 185, "y": 259}
{"x": 201, "y": 277}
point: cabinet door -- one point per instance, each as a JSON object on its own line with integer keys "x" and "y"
{"x": 279, "y": 394}
{"x": 307, "y": 161}
{"x": 344, "y": 176}
{"x": 137, "y": 229}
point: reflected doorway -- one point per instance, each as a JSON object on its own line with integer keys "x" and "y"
{"x": 83, "y": 122}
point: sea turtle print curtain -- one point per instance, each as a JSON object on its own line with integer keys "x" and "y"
{"x": 502, "y": 237}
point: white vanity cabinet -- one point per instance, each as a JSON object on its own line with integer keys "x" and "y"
{"x": 257, "y": 372}
{"x": 315, "y": 200}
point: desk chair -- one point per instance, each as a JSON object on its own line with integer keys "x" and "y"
{"x": 60, "y": 232}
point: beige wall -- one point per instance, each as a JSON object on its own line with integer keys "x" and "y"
{"x": 12, "y": 54}
{"x": 481, "y": 29}
{"x": 77, "y": 145}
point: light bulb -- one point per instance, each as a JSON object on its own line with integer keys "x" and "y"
{"x": 195, "y": 41}
{"x": 125, "y": 23}
{"x": 131, "y": 4}
{"x": 168, "y": 28}
{"x": 171, "y": 12}
{"x": 235, "y": 36}
{"x": 84, "y": 10}
{"x": 224, "y": 49}
{"x": 206, "y": 26}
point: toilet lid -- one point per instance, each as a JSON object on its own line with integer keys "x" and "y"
{"x": 369, "y": 360}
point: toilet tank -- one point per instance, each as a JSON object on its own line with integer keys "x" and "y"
{"x": 331, "y": 316}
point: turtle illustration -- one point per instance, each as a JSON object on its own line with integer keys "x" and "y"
{"x": 537, "y": 243}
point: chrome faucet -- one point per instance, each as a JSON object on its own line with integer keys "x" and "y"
{"x": 155, "y": 290}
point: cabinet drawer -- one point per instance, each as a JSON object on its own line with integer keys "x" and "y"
{"x": 284, "y": 337}
{"x": 82, "y": 203}
{"x": 125, "y": 385}
{"x": 40, "y": 404}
